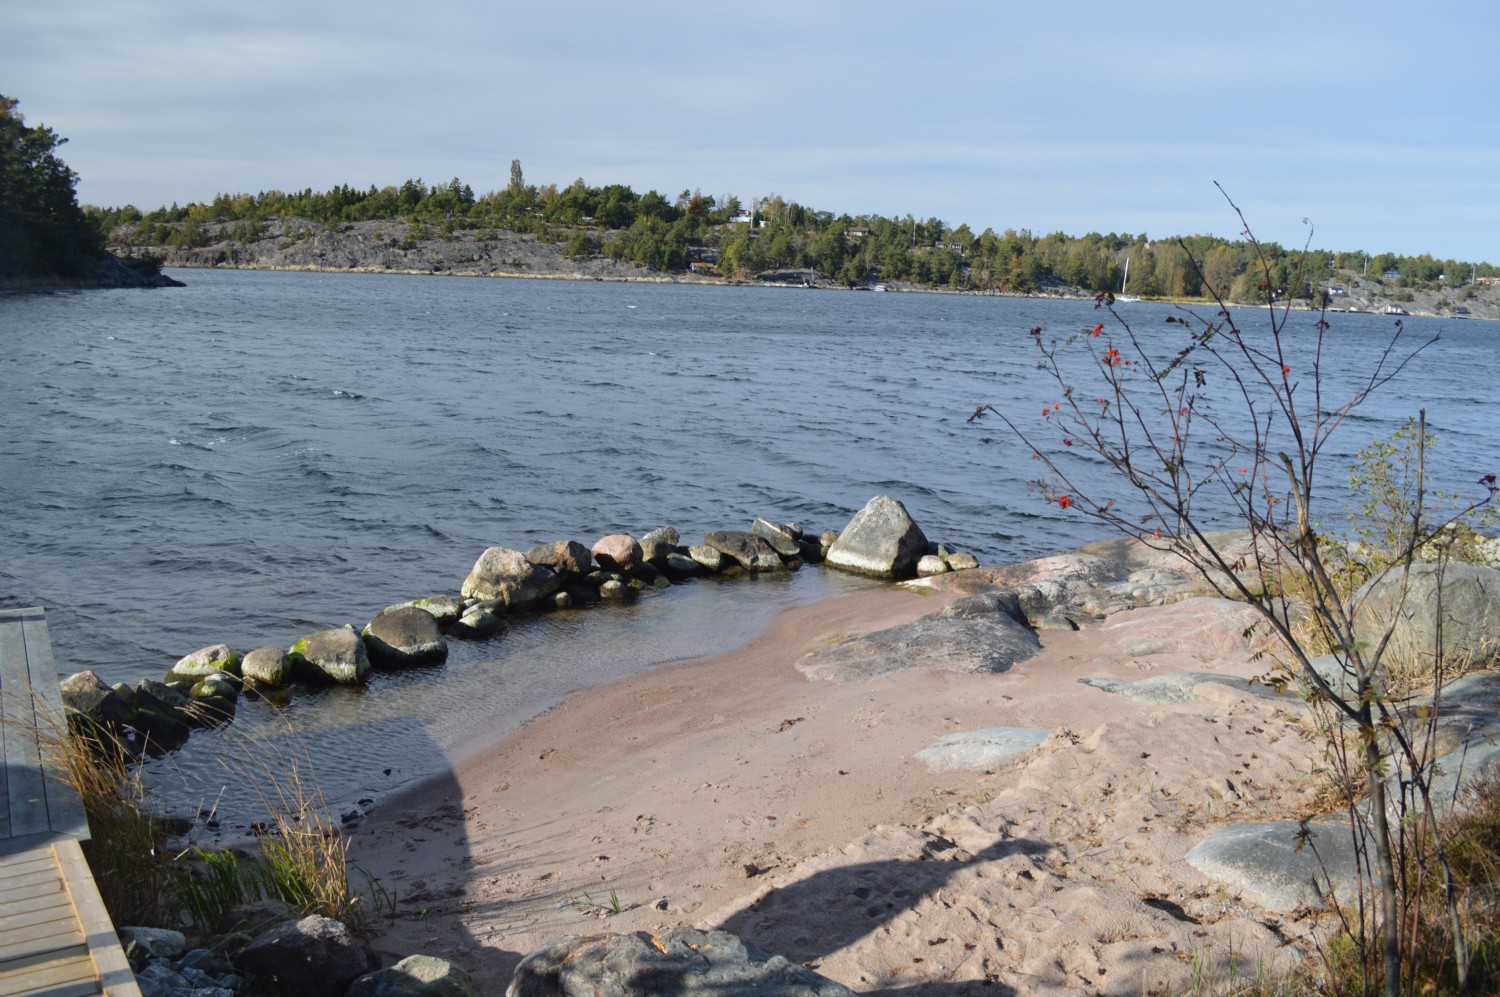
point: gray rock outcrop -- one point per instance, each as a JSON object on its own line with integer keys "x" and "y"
{"x": 881, "y": 540}
{"x": 978, "y": 750}
{"x": 686, "y": 962}
{"x": 1275, "y": 865}
{"x": 937, "y": 643}
{"x": 1467, "y": 595}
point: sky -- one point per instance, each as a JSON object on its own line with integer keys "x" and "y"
{"x": 1374, "y": 122}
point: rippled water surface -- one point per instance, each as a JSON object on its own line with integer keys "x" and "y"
{"x": 258, "y": 455}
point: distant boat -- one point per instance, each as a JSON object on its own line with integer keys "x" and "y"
{"x": 1122, "y": 296}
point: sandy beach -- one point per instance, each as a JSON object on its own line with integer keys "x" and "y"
{"x": 737, "y": 793}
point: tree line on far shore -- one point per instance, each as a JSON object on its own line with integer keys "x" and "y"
{"x": 774, "y": 233}
{"x": 44, "y": 232}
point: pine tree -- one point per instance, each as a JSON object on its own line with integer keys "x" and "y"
{"x": 43, "y": 232}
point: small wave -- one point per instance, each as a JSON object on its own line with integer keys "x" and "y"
{"x": 351, "y": 395}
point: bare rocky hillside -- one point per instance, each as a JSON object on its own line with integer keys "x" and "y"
{"x": 392, "y": 246}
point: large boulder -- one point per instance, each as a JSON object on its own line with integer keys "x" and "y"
{"x": 313, "y": 957}
{"x": 568, "y": 558}
{"x": 86, "y": 695}
{"x": 403, "y": 637}
{"x": 749, "y": 551}
{"x": 686, "y": 962}
{"x": 268, "y": 666}
{"x": 336, "y": 655}
{"x": 506, "y": 575}
{"x": 1466, "y": 595}
{"x": 619, "y": 552}
{"x": 204, "y": 662}
{"x": 415, "y": 976}
{"x": 881, "y": 540}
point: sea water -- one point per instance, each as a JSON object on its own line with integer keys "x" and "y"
{"x": 259, "y": 455}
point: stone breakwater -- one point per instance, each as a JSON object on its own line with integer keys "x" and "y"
{"x": 504, "y": 587}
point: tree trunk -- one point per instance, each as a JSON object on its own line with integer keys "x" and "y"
{"x": 1385, "y": 863}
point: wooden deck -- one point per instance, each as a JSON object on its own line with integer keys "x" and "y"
{"x": 56, "y": 939}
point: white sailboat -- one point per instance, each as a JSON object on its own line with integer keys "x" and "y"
{"x": 1125, "y": 284}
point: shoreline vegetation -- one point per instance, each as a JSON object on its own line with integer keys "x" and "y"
{"x": 413, "y": 247}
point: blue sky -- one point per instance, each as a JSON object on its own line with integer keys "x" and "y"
{"x": 1374, "y": 120}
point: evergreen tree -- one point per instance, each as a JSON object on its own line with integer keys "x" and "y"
{"x": 43, "y": 232}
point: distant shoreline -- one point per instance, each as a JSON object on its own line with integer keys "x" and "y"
{"x": 291, "y": 244}
{"x": 1073, "y": 294}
